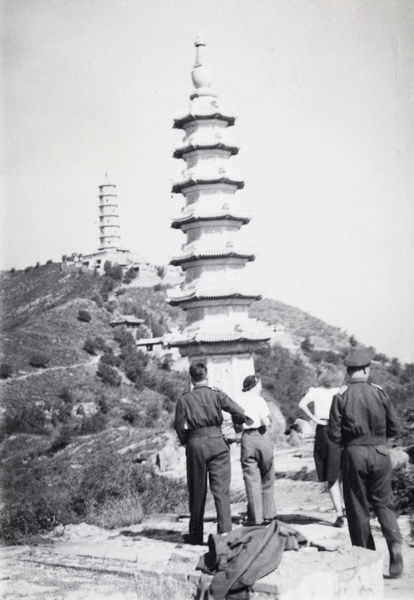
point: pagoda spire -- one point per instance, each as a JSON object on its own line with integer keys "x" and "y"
{"x": 202, "y": 73}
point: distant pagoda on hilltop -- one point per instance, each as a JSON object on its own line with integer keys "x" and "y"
{"x": 215, "y": 295}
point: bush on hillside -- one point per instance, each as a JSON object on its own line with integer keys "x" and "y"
{"x": 97, "y": 298}
{"x": 171, "y": 385}
{"x": 109, "y": 358}
{"x": 92, "y": 423}
{"x": 131, "y": 273}
{"x": 39, "y": 360}
{"x": 100, "y": 343}
{"x": 6, "y": 370}
{"x": 28, "y": 269}
{"x": 134, "y": 365}
{"x": 66, "y": 395}
{"x": 24, "y": 419}
{"x": 61, "y": 440}
{"x": 84, "y": 316}
{"x": 107, "y": 285}
{"x": 12, "y": 270}
{"x": 108, "y": 374}
{"x": 89, "y": 347}
{"x": 152, "y": 414}
{"x": 306, "y": 345}
{"x": 403, "y": 487}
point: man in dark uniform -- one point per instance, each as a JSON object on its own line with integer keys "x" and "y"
{"x": 362, "y": 418}
{"x": 198, "y": 418}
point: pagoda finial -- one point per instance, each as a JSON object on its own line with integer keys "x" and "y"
{"x": 202, "y": 74}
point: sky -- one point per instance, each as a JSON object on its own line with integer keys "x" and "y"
{"x": 324, "y": 93}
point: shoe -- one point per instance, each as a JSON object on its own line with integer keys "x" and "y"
{"x": 340, "y": 522}
{"x": 396, "y": 560}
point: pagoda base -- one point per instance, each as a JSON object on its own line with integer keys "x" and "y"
{"x": 228, "y": 363}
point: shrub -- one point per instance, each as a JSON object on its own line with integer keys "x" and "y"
{"x": 116, "y": 272}
{"x": 134, "y": 365}
{"x": 39, "y": 360}
{"x": 97, "y": 298}
{"x": 61, "y": 413}
{"x": 103, "y": 405}
{"x": 108, "y": 374}
{"x": 403, "y": 487}
{"x": 24, "y": 419}
{"x": 12, "y": 270}
{"x": 109, "y": 358}
{"x": 28, "y": 269}
{"x": 152, "y": 414}
{"x": 99, "y": 343}
{"x": 93, "y": 423}
{"x": 5, "y": 370}
{"x": 307, "y": 345}
{"x": 63, "y": 439}
{"x": 131, "y": 415}
{"x": 111, "y": 306}
{"x": 127, "y": 280}
{"x": 84, "y": 316}
{"x": 66, "y": 395}
{"x": 160, "y": 272}
{"x": 49, "y": 262}
{"x": 131, "y": 273}
{"x": 89, "y": 347}
{"x": 37, "y": 265}
{"x": 107, "y": 285}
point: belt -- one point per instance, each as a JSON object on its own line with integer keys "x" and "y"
{"x": 205, "y": 431}
{"x": 261, "y": 430}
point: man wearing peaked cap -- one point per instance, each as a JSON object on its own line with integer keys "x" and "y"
{"x": 362, "y": 418}
{"x": 358, "y": 358}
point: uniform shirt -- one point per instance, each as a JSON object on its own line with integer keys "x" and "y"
{"x": 322, "y": 399}
{"x": 362, "y": 414}
{"x": 202, "y": 407}
{"x": 254, "y": 407}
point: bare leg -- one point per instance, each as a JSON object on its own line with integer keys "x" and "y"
{"x": 336, "y": 495}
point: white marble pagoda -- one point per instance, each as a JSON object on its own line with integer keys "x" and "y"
{"x": 215, "y": 293}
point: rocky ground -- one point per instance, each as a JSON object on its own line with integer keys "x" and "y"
{"x": 86, "y": 563}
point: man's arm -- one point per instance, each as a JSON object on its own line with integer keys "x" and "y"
{"x": 393, "y": 424}
{"x": 232, "y": 407}
{"x": 179, "y": 422}
{"x": 335, "y": 420}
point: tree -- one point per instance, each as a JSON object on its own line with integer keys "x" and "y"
{"x": 89, "y": 347}
{"x": 39, "y": 360}
{"x": 5, "y": 370}
{"x": 161, "y": 272}
{"x": 353, "y": 341}
{"x": 84, "y": 316}
{"x": 307, "y": 345}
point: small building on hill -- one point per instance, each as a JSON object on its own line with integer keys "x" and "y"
{"x": 129, "y": 322}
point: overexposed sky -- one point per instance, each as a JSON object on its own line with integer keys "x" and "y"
{"x": 324, "y": 90}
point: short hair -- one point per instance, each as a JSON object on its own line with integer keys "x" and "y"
{"x": 198, "y": 372}
{"x": 250, "y": 382}
{"x": 330, "y": 377}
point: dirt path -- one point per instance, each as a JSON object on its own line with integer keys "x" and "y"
{"x": 94, "y": 360}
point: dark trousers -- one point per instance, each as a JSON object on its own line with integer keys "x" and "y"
{"x": 259, "y": 475}
{"x": 366, "y": 472}
{"x": 208, "y": 453}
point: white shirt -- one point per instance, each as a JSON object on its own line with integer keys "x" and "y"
{"x": 254, "y": 407}
{"x": 322, "y": 399}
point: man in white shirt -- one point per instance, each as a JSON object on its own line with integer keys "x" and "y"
{"x": 257, "y": 455}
